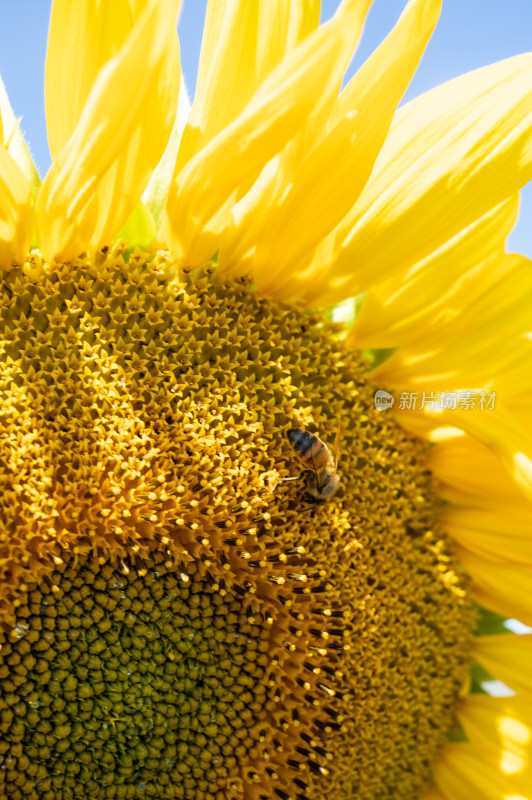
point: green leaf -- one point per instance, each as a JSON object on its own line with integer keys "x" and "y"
{"x": 489, "y": 622}
{"x": 376, "y": 357}
{"x": 478, "y": 676}
{"x": 139, "y": 228}
{"x": 456, "y": 733}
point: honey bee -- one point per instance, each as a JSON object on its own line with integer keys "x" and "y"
{"x": 322, "y": 478}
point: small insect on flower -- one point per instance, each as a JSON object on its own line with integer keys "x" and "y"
{"x": 322, "y": 478}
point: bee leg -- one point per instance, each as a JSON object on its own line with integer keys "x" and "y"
{"x": 303, "y": 476}
{"x": 286, "y": 480}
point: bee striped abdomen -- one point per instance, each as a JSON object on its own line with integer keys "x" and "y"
{"x": 306, "y": 445}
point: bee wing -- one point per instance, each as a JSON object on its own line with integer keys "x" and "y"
{"x": 314, "y": 465}
{"x": 337, "y": 446}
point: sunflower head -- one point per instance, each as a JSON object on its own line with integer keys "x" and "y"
{"x": 172, "y": 602}
{"x": 227, "y": 572}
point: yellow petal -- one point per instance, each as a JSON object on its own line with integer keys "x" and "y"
{"x": 102, "y": 170}
{"x": 497, "y": 532}
{"x": 16, "y": 212}
{"x": 507, "y": 434}
{"x": 244, "y": 226}
{"x": 156, "y": 193}
{"x": 469, "y": 474}
{"x": 502, "y": 727}
{"x": 452, "y": 154}
{"x": 505, "y": 429}
{"x": 503, "y": 588}
{"x": 418, "y": 423}
{"x": 247, "y": 217}
{"x": 464, "y": 772}
{"x": 433, "y": 794}
{"x": 489, "y": 515}
{"x": 282, "y": 25}
{"x": 394, "y": 310}
{"x": 81, "y": 39}
{"x": 508, "y": 658}
{"x": 12, "y": 138}
{"x": 277, "y": 112}
{"x": 329, "y": 180}
{"x": 242, "y": 43}
{"x": 461, "y": 345}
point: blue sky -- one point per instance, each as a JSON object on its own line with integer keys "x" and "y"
{"x": 471, "y": 33}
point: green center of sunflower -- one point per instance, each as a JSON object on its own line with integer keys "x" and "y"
{"x": 176, "y": 623}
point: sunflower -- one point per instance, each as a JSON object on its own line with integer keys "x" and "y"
{"x": 181, "y": 618}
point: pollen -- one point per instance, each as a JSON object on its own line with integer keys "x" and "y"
{"x": 177, "y": 621}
